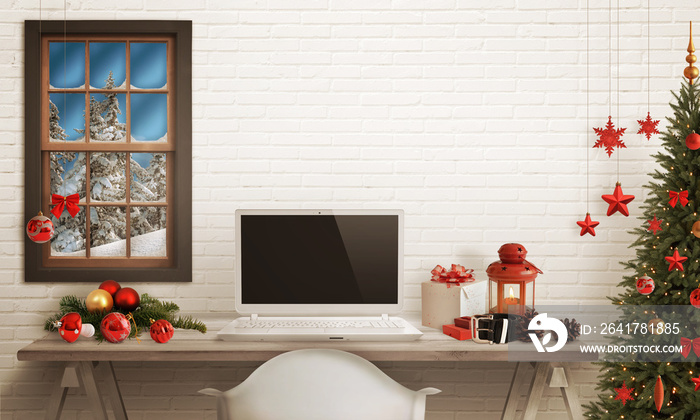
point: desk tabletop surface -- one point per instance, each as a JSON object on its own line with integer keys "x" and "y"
{"x": 194, "y": 346}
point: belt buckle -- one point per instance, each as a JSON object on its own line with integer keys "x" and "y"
{"x": 475, "y": 329}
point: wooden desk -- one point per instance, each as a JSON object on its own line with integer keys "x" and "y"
{"x": 86, "y": 358}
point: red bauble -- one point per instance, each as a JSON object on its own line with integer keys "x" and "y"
{"x": 40, "y": 229}
{"x": 645, "y": 285}
{"x": 693, "y": 141}
{"x": 127, "y": 299}
{"x": 110, "y": 286}
{"x": 115, "y": 327}
{"x": 695, "y": 298}
{"x": 162, "y": 331}
{"x": 70, "y": 326}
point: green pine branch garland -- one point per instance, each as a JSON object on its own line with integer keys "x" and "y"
{"x": 149, "y": 308}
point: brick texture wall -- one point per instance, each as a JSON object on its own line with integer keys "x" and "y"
{"x": 471, "y": 116}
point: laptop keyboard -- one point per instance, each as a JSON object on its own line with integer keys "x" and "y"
{"x": 319, "y": 324}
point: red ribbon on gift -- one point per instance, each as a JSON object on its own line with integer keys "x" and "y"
{"x": 457, "y": 274}
{"x": 687, "y": 344}
{"x": 675, "y": 196}
{"x": 60, "y": 202}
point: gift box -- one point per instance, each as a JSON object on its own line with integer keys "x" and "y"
{"x": 451, "y": 294}
{"x": 456, "y": 332}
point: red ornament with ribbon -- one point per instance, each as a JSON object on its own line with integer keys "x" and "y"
{"x": 457, "y": 274}
{"x": 40, "y": 229}
{"x": 69, "y": 203}
{"x": 161, "y": 331}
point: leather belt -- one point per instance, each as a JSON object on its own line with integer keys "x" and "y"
{"x": 493, "y": 328}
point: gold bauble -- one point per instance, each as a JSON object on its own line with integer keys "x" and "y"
{"x": 656, "y": 326}
{"x": 99, "y": 301}
{"x": 696, "y": 229}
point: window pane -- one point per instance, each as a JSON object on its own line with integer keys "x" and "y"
{"x": 108, "y": 65}
{"x": 107, "y": 231}
{"x": 149, "y": 117}
{"x": 148, "y": 177}
{"x": 148, "y": 232}
{"x": 69, "y": 235}
{"x": 108, "y": 176}
{"x": 107, "y": 121}
{"x": 148, "y": 65}
{"x": 68, "y": 73}
{"x": 67, "y": 117}
{"x": 67, "y": 173}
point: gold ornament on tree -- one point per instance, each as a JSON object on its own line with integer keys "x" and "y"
{"x": 691, "y": 72}
{"x": 99, "y": 301}
{"x": 695, "y": 230}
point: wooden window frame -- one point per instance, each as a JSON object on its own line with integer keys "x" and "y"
{"x": 177, "y": 266}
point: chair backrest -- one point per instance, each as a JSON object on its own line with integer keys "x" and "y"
{"x": 325, "y": 384}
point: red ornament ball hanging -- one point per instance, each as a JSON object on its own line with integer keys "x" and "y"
{"x": 645, "y": 285}
{"x": 693, "y": 141}
{"x": 110, "y": 286}
{"x": 127, "y": 299}
{"x": 695, "y": 298}
{"x": 115, "y": 327}
{"x": 161, "y": 331}
{"x": 40, "y": 229}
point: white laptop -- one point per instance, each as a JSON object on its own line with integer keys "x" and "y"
{"x": 319, "y": 275}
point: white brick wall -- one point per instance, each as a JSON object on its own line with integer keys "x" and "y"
{"x": 471, "y": 116}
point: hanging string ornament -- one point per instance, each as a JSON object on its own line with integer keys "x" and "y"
{"x": 587, "y": 225}
{"x": 40, "y": 229}
{"x": 617, "y": 201}
{"x": 648, "y": 126}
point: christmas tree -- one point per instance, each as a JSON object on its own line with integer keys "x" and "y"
{"x": 667, "y": 201}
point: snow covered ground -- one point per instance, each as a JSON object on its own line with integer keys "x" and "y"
{"x": 147, "y": 245}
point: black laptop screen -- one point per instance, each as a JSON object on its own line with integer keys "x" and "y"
{"x": 319, "y": 259}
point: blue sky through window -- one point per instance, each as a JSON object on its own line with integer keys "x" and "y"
{"x": 149, "y": 116}
{"x": 148, "y": 65}
{"x": 106, "y": 57}
{"x": 70, "y": 111}
{"x": 70, "y": 73}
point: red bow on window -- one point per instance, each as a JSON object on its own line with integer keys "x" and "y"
{"x": 60, "y": 202}
{"x": 687, "y": 343}
{"x": 675, "y": 196}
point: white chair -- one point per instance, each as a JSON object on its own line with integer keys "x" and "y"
{"x": 319, "y": 384}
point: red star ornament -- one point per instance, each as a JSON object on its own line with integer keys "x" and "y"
{"x": 648, "y": 126}
{"x": 675, "y": 261}
{"x": 655, "y": 225}
{"x": 618, "y": 201}
{"x": 609, "y": 137}
{"x": 587, "y": 225}
{"x": 624, "y": 394}
{"x": 696, "y": 381}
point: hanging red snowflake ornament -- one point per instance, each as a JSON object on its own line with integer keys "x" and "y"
{"x": 624, "y": 394}
{"x": 655, "y": 225}
{"x": 675, "y": 261}
{"x": 617, "y": 201}
{"x": 609, "y": 137}
{"x": 648, "y": 126}
{"x": 587, "y": 225}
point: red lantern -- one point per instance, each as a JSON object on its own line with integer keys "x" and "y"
{"x": 40, "y": 229}
{"x": 110, "y": 286}
{"x": 512, "y": 281}
{"x": 127, "y": 299}
{"x": 161, "y": 331}
{"x": 115, "y": 327}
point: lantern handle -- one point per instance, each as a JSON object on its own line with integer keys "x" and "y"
{"x": 533, "y": 266}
